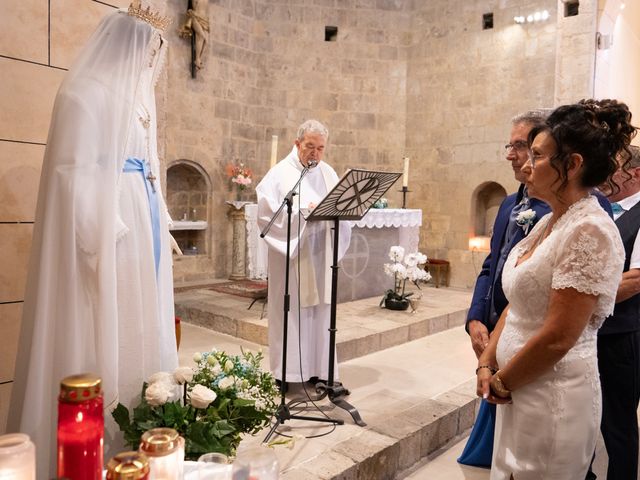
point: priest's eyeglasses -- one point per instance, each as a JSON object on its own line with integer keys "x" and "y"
{"x": 518, "y": 146}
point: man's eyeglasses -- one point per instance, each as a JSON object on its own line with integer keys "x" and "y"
{"x": 518, "y": 146}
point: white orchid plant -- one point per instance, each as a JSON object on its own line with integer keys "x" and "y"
{"x": 210, "y": 405}
{"x": 403, "y": 268}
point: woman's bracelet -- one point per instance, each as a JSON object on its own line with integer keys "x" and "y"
{"x": 498, "y": 387}
{"x": 488, "y": 367}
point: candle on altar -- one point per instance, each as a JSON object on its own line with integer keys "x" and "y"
{"x": 405, "y": 173}
{"x": 17, "y": 457}
{"x": 274, "y": 150}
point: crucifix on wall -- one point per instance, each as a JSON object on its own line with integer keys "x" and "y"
{"x": 196, "y": 27}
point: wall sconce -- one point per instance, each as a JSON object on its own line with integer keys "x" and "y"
{"x": 480, "y": 243}
{"x": 533, "y": 17}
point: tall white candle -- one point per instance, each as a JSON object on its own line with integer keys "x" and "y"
{"x": 274, "y": 150}
{"x": 405, "y": 173}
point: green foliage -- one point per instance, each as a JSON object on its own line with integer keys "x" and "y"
{"x": 245, "y": 400}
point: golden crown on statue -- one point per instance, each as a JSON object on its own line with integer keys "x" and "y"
{"x": 146, "y": 15}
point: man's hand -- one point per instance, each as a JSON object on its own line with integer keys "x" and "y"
{"x": 479, "y": 336}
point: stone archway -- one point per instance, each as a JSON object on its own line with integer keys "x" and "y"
{"x": 485, "y": 202}
{"x": 188, "y": 202}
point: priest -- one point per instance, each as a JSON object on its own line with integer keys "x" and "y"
{"x": 311, "y": 254}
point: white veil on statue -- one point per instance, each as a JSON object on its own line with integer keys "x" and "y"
{"x": 70, "y": 319}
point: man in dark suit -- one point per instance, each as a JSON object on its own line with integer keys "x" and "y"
{"x": 619, "y": 337}
{"x": 488, "y": 298}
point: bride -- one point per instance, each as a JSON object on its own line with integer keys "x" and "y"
{"x": 541, "y": 363}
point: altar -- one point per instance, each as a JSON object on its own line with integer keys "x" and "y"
{"x": 361, "y": 273}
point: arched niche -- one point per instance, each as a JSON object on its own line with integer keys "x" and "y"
{"x": 188, "y": 200}
{"x": 486, "y": 200}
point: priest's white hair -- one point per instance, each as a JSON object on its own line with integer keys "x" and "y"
{"x": 312, "y": 126}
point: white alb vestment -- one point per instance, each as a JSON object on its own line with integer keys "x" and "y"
{"x": 313, "y": 256}
{"x": 549, "y": 431}
{"x": 99, "y": 294}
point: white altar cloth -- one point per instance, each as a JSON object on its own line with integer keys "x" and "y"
{"x": 361, "y": 273}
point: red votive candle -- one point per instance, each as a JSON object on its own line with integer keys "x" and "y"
{"x": 80, "y": 428}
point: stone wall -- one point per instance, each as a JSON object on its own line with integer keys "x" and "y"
{"x": 464, "y": 86}
{"x": 268, "y": 68}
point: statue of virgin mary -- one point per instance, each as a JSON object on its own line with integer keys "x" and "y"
{"x": 99, "y": 294}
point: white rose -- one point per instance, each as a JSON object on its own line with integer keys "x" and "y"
{"x": 183, "y": 375}
{"x": 201, "y": 396}
{"x": 161, "y": 377}
{"x": 226, "y": 383}
{"x": 158, "y": 393}
{"x": 197, "y": 357}
{"x": 228, "y": 366}
{"x": 211, "y": 360}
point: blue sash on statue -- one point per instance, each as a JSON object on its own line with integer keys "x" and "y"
{"x": 136, "y": 165}
{"x": 479, "y": 448}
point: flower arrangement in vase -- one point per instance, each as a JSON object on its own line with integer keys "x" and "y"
{"x": 403, "y": 268}
{"x": 239, "y": 176}
{"x": 211, "y": 406}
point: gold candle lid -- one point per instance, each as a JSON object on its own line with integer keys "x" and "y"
{"x": 128, "y": 466}
{"x": 79, "y": 388}
{"x": 159, "y": 441}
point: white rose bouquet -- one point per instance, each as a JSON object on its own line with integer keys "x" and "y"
{"x": 211, "y": 405}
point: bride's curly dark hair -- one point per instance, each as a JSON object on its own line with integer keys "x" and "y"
{"x": 598, "y": 130}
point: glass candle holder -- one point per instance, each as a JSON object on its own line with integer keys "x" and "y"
{"x": 17, "y": 457}
{"x": 80, "y": 428}
{"x": 128, "y": 466}
{"x": 214, "y": 466}
{"x": 165, "y": 449}
{"x": 255, "y": 463}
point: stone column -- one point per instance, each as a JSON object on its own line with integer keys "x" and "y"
{"x": 239, "y": 249}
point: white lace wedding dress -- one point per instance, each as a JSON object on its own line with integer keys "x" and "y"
{"x": 550, "y": 429}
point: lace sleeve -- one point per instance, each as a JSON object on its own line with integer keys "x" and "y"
{"x": 590, "y": 258}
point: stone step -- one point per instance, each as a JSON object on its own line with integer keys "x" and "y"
{"x": 391, "y": 445}
{"x": 363, "y": 327}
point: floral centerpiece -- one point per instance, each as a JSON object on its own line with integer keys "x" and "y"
{"x": 211, "y": 406}
{"x": 403, "y": 268}
{"x": 239, "y": 176}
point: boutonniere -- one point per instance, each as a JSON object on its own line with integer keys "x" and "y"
{"x": 525, "y": 219}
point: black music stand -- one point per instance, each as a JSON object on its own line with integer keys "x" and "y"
{"x": 350, "y": 199}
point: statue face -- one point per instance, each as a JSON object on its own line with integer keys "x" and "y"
{"x": 311, "y": 147}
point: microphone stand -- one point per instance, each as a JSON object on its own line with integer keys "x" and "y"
{"x": 283, "y": 413}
